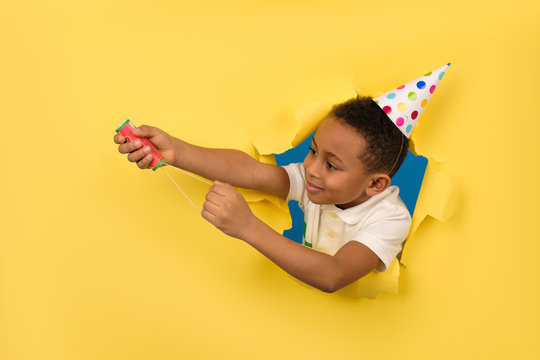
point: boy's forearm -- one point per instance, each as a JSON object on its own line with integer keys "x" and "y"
{"x": 226, "y": 165}
{"x": 307, "y": 265}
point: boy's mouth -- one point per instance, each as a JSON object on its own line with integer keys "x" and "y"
{"x": 312, "y": 188}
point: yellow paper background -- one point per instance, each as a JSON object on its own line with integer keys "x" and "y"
{"x": 99, "y": 260}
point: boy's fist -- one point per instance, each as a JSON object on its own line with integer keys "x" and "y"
{"x": 161, "y": 140}
{"x": 227, "y": 210}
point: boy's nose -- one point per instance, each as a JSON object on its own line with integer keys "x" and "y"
{"x": 313, "y": 169}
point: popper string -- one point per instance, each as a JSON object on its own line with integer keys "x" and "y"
{"x": 188, "y": 173}
{"x": 178, "y": 186}
{"x": 182, "y": 191}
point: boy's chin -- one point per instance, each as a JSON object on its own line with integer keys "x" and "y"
{"x": 319, "y": 200}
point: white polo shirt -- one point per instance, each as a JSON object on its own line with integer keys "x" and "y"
{"x": 381, "y": 223}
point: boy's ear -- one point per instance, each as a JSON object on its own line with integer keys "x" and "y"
{"x": 379, "y": 182}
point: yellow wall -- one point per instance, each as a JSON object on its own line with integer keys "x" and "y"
{"x": 99, "y": 260}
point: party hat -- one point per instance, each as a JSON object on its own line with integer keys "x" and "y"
{"x": 404, "y": 104}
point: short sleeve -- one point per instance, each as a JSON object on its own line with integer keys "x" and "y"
{"x": 297, "y": 182}
{"x": 385, "y": 236}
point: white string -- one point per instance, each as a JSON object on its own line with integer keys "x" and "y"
{"x": 188, "y": 173}
{"x": 182, "y": 191}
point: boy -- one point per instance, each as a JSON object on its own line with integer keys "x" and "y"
{"x": 352, "y": 214}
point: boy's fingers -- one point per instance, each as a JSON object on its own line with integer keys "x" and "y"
{"x": 145, "y": 162}
{"x": 119, "y": 139}
{"x": 211, "y": 207}
{"x": 221, "y": 188}
{"x": 208, "y": 216}
{"x": 213, "y": 197}
{"x": 129, "y": 147}
{"x": 139, "y": 154}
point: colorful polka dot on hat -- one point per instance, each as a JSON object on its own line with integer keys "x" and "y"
{"x": 405, "y": 104}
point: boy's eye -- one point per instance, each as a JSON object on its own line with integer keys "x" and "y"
{"x": 312, "y": 151}
{"x": 330, "y": 166}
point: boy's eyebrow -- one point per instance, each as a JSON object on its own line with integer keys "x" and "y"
{"x": 329, "y": 153}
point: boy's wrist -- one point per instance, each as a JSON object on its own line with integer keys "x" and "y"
{"x": 253, "y": 229}
{"x": 177, "y": 148}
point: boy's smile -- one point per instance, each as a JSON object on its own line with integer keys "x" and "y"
{"x": 335, "y": 174}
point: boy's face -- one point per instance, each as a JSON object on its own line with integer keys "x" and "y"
{"x": 334, "y": 172}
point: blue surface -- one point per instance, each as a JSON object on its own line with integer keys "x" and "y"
{"x": 408, "y": 178}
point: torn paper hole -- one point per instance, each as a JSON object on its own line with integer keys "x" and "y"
{"x": 434, "y": 193}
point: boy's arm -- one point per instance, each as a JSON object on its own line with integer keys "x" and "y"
{"x": 322, "y": 271}
{"x": 231, "y": 166}
{"x": 227, "y": 210}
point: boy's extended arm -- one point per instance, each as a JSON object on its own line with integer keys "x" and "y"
{"x": 228, "y": 211}
{"x": 231, "y": 166}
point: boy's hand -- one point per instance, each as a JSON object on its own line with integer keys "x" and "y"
{"x": 161, "y": 140}
{"x": 227, "y": 210}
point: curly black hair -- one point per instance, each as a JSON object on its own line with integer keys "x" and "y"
{"x": 386, "y": 146}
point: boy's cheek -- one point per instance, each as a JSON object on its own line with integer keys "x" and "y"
{"x": 305, "y": 164}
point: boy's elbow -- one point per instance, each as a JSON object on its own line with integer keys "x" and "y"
{"x": 329, "y": 289}
{"x": 336, "y": 281}
{"x": 333, "y": 283}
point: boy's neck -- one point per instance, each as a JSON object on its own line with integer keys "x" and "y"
{"x": 361, "y": 200}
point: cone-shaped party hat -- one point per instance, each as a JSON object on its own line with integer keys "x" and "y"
{"x": 404, "y": 104}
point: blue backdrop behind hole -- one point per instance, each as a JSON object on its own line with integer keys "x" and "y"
{"x": 408, "y": 178}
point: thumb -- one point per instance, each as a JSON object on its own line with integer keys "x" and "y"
{"x": 145, "y": 131}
